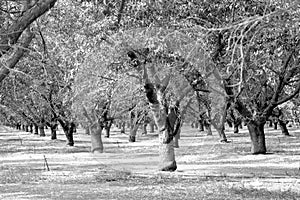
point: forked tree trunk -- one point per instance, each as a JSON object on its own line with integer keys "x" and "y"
{"x": 42, "y": 131}
{"x": 283, "y": 127}
{"x": 257, "y": 135}
{"x": 96, "y": 140}
{"x": 166, "y": 142}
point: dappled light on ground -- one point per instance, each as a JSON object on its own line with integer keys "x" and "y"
{"x": 33, "y": 167}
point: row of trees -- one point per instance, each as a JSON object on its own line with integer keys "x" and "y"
{"x": 94, "y": 62}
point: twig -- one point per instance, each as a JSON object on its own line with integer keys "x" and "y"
{"x": 46, "y": 164}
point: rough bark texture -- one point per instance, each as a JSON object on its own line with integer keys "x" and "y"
{"x": 97, "y": 145}
{"x": 256, "y": 130}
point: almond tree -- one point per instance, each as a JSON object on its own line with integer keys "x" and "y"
{"x": 258, "y": 58}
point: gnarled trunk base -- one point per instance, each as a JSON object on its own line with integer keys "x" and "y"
{"x": 258, "y": 144}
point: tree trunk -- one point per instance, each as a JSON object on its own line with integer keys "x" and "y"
{"x": 196, "y": 125}
{"x": 108, "y": 125}
{"x": 201, "y": 125}
{"x": 237, "y": 124}
{"x": 26, "y": 128}
{"x": 133, "y": 131}
{"x": 236, "y": 128}
{"x": 166, "y": 154}
{"x": 152, "y": 125}
{"x": 122, "y": 126}
{"x": 283, "y": 127}
{"x": 31, "y": 128}
{"x": 96, "y": 140}
{"x": 229, "y": 123}
{"x": 192, "y": 125}
{"x": 257, "y": 135}
{"x": 53, "y": 132}
{"x": 176, "y": 139}
{"x": 87, "y": 130}
{"x": 69, "y": 130}
{"x": 208, "y": 128}
{"x": 275, "y": 125}
{"x": 36, "y": 129}
{"x": 222, "y": 134}
{"x": 144, "y": 129}
{"x": 42, "y": 131}
{"x": 241, "y": 125}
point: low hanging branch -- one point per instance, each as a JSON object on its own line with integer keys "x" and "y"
{"x": 17, "y": 55}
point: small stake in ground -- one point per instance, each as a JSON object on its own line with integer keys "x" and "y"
{"x": 46, "y": 164}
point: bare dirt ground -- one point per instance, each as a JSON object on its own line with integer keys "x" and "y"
{"x": 207, "y": 169}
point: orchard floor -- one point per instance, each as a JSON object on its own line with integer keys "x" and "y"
{"x": 207, "y": 169}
